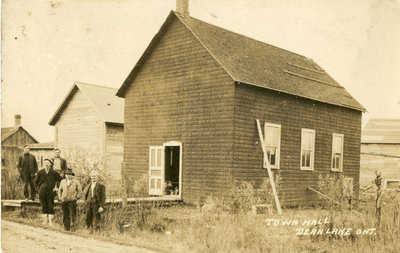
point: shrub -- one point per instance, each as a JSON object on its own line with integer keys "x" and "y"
{"x": 246, "y": 194}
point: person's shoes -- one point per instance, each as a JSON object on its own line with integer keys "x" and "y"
{"x": 26, "y": 199}
{"x": 51, "y": 216}
{"x": 44, "y": 218}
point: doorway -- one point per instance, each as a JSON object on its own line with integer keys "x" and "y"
{"x": 165, "y": 169}
{"x": 172, "y": 165}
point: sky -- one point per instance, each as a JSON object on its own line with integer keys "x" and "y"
{"x": 48, "y": 45}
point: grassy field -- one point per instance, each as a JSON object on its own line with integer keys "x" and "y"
{"x": 228, "y": 225}
{"x": 216, "y": 228}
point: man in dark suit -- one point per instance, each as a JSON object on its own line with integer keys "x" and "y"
{"x": 46, "y": 181}
{"x": 27, "y": 167}
{"x": 59, "y": 163}
{"x": 95, "y": 198}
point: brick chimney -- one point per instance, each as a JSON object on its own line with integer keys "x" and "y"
{"x": 182, "y": 7}
{"x": 17, "y": 120}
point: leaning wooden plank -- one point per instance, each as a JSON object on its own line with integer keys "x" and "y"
{"x": 268, "y": 166}
{"x": 324, "y": 195}
{"x": 327, "y": 197}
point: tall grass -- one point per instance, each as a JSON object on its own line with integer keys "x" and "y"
{"x": 12, "y": 186}
{"x": 228, "y": 225}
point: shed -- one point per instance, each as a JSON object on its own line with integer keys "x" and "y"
{"x": 90, "y": 121}
{"x": 380, "y": 150}
{"x": 191, "y": 104}
{"x": 12, "y": 140}
{"x": 42, "y": 151}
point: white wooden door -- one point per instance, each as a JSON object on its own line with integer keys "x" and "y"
{"x": 156, "y": 170}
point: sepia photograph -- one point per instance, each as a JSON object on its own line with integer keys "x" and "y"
{"x": 202, "y": 126}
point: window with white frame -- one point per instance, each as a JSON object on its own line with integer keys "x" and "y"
{"x": 337, "y": 152}
{"x": 307, "y": 149}
{"x": 273, "y": 143}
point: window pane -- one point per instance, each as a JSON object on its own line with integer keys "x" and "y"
{"x": 153, "y": 157}
{"x": 152, "y": 183}
{"x": 336, "y": 160}
{"x": 271, "y": 152}
{"x": 306, "y": 140}
{"x": 306, "y": 158}
{"x": 159, "y": 157}
{"x": 272, "y": 136}
{"x": 337, "y": 144}
{"x": 158, "y": 183}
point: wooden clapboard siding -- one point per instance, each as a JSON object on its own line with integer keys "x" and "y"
{"x": 187, "y": 87}
{"x": 80, "y": 127}
{"x": 182, "y": 94}
{"x": 292, "y": 113}
{"x": 114, "y": 150}
{"x": 379, "y": 157}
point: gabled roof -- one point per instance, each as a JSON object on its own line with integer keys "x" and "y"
{"x": 9, "y": 131}
{"x": 109, "y": 107}
{"x": 381, "y": 131}
{"x": 256, "y": 63}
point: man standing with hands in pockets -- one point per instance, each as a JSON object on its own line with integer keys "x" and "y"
{"x": 69, "y": 192}
{"x": 95, "y": 198}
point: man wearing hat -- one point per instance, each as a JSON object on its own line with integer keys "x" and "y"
{"x": 95, "y": 198}
{"x": 46, "y": 181}
{"x": 69, "y": 192}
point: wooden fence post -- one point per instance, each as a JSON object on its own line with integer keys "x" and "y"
{"x": 124, "y": 188}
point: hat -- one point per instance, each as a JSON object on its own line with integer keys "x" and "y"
{"x": 48, "y": 160}
{"x": 69, "y": 172}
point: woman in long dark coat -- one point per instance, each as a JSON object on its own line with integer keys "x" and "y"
{"x": 46, "y": 181}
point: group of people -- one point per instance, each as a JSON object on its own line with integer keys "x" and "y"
{"x": 56, "y": 179}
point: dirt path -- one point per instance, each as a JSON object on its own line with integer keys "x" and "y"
{"x": 17, "y": 238}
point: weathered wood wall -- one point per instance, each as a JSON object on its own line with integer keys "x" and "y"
{"x": 379, "y": 157}
{"x": 182, "y": 94}
{"x": 114, "y": 150}
{"x": 11, "y": 148}
{"x": 292, "y": 113}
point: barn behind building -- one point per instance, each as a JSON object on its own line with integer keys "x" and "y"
{"x": 191, "y": 104}
{"x": 380, "y": 150}
{"x": 12, "y": 141}
{"x": 90, "y": 121}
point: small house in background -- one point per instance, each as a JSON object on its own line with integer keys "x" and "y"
{"x": 191, "y": 104}
{"x": 90, "y": 121}
{"x": 380, "y": 150}
{"x": 12, "y": 141}
{"x": 42, "y": 151}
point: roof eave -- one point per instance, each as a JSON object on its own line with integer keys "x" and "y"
{"x": 115, "y": 123}
{"x": 56, "y": 114}
{"x": 361, "y": 109}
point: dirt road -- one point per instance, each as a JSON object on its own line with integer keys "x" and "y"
{"x": 17, "y": 238}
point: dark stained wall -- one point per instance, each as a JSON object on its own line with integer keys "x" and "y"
{"x": 293, "y": 113}
{"x": 182, "y": 94}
